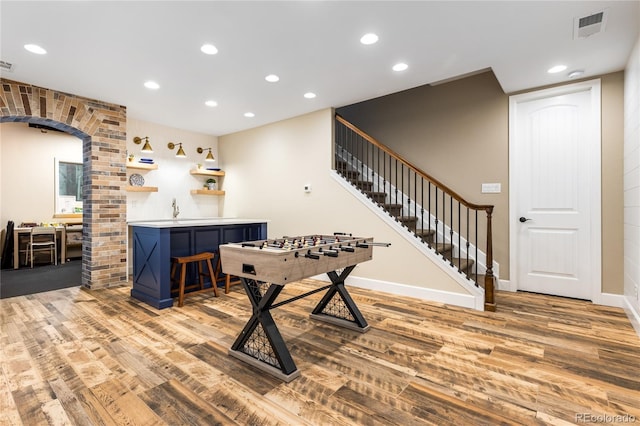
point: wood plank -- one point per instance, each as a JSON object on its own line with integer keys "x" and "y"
{"x": 124, "y": 407}
{"x": 177, "y": 405}
{"x": 70, "y": 407}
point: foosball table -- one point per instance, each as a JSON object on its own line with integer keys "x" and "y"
{"x": 266, "y": 266}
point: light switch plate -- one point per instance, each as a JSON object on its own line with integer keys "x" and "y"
{"x": 491, "y": 188}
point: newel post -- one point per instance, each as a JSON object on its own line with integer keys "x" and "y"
{"x": 489, "y": 297}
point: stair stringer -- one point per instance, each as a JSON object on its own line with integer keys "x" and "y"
{"x": 476, "y": 292}
{"x": 412, "y": 207}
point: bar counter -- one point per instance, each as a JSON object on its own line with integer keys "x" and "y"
{"x": 155, "y": 242}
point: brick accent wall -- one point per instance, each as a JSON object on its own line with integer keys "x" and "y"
{"x": 102, "y": 128}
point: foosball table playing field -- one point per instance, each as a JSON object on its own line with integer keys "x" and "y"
{"x": 266, "y": 266}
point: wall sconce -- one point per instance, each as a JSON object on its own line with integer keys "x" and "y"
{"x": 146, "y": 147}
{"x": 209, "y": 157}
{"x": 180, "y": 152}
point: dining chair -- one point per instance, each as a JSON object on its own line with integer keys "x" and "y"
{"x": 42, "y": 238}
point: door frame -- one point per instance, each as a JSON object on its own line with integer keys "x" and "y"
{"x": 595, "y": 182}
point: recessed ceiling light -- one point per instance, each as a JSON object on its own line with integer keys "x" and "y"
{"x": 309, "y": 95}
{"x": 249, "y": 114}
{"x": 211, "y": 103}
{"x": 34, "y": 48}
{"x": 400, "y": 66}
{"x": 369, "y": 38}
{"x": 576, "y": 73}
{"x": 151, "y": 85}
{"x": 272, "y": 78}
{"x": 209, "y": 49}
{"x": 556, "y": 69}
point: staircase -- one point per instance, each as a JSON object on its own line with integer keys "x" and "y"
{"x": 431, "y": 212}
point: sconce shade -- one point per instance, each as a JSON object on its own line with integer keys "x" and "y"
{"x": 146, "y": 147}
{"x": 209, "y": 156}
{"x": 180, "y": 153}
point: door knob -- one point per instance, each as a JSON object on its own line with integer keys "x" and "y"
{"x": 524, "y": 219}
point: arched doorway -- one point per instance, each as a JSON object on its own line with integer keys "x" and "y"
{"x": 102, "y": 128}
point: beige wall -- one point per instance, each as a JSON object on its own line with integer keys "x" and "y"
{"x": 267, "y": 169}
{"x": 612, "y": 186}
{"x": 458, "y": 133}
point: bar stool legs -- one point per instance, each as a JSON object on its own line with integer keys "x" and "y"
{"x": 228, "y": 281}
{"x": 180, "y": 282}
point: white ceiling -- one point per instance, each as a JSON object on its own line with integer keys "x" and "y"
{"x": 107, "y": 50}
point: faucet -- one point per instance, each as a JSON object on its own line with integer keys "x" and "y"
{"x": 176, "y": 209}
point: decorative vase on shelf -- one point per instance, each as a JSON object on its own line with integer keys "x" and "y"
{"x": 211, "y": 186}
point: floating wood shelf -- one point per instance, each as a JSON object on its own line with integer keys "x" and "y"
{"x": 142, "y": 166}
{"x": 204, "y": 172}
{"x": 207, "y": 192}
{"x": 141, "y": 188}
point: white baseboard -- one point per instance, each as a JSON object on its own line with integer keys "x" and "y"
{"x": 614, "y": 300}
{"x": 505, "y": 285}
{"x": 632, "y": 313}
{"x": 440, "y": 296}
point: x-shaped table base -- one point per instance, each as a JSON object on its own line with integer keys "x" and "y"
{"x": 260, "y": 343}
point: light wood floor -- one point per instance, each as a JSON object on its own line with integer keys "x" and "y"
{"x": 102, "y": 358}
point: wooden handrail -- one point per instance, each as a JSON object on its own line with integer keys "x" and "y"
{"x": 456, "y": 196}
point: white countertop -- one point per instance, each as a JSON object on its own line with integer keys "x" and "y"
{"x": 177, "y": 223}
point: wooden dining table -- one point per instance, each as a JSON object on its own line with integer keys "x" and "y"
{"x": 60, "y": 235}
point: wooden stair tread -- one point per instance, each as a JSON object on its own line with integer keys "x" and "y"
{"x": 425, "y": 233}
{"x": 364, "y": 185}
{"x": 378, "y": 197}
{"x": 462, "y": 264}
{"x": 350, "y": 174}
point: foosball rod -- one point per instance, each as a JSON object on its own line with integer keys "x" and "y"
{"x": 330, "y": 253}
{"x": 367, "y": 244}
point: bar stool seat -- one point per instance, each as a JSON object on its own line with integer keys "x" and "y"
{"x": 179, "y": 280}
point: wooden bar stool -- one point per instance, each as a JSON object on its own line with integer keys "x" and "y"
{"x": 229, "y": 280}
{"x": 180, "y": 280}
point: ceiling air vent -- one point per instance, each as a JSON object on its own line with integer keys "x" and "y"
{"x": 6, "y": 66}
{"x": 589, "y": 25}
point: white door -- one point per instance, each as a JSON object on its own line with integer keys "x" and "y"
{"x": 555, "y": 191}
